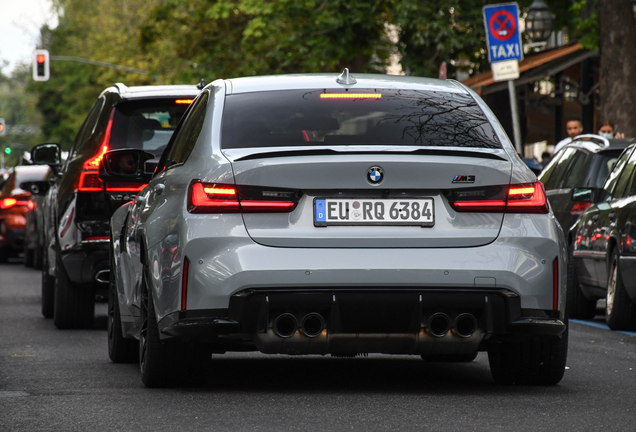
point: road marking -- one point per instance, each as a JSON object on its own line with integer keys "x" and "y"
{"x": 601, "y": 326}
{"x": 4, "y": 394}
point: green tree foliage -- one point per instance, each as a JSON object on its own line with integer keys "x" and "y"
{"x": 182, "y": 41}
{"x": 225, "y": 38}
{"x": 18, "y": 108}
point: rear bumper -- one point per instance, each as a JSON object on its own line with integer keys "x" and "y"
{"x": 84, "y": 263}
{"x": 426, "y": 322}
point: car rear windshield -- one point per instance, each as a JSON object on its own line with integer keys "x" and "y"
{"x": 146, "y": 124}
{"x": 355, "y": 117}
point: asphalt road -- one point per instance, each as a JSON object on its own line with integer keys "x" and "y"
{"x": 54, "y": 380}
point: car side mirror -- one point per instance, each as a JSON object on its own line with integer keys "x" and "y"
{"x": 583, "y": 194}
{"x": 125, "y": 165}
{"x": 47, "y": 154}
{"x": 150, "y": 166}
{"x": 36, "y": 187}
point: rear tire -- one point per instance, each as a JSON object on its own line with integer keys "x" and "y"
{"x": 48, "y": 292}
{"x": 38, "y": 255}
{"x": 536, "y": 361}
{"x": 620, "y": 312}
{"x": 120, "y": 349}
{"x": 169, "y": 361}
{"x": 577, "y": 304}
{"x": 74, "y": 305}
{"x": 28, "y": 257}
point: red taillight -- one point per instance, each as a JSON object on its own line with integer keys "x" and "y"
{"x": 220, "y": 198}
{"x": 555, "y": 284}
{"x": 93, "y": 163}
{"x": 184, "y": 101}
{"x": 89, "y": 178}
{"x": 525, "y": 198}
{"x": 31, "y": 205}
{"x": 184, "y": 287}
{"x": 216, "y": 199}
{"x": 8, "y": 203}
{"x": 90, "y": 182}
{"x": 579, "y": 207}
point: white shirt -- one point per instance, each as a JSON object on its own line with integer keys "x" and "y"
{"x": 561, "y": 143}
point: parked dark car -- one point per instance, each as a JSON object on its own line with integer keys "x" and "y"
{"x": 14, "y": 199}
{"x": 34, "y": 231}
{"x": 584, "y": 163}
{"x": 79, "y": 205}
{"x": 602, "y": 260}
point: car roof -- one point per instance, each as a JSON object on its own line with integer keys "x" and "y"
{"x": 328, "y": 80}
{"x": 153, "y": 91}
{"x": 595, "y": 147}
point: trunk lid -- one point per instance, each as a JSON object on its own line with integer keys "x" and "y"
{"x": 344, "y": 174}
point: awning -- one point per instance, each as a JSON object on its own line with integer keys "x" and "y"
{"x": 533, "y": 68}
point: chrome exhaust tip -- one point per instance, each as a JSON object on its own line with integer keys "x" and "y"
{"x": 103, "y": 276}
{"x": 285, "y": 325}
{"x": 465, "y": 325}
{"x": 312, "y": 325}
{"x": 439, "y": 324}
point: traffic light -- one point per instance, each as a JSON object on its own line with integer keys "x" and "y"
{"x": 3, "y": 127}
{"x": 41, "y": 65}
{"x": 7, "y": 150}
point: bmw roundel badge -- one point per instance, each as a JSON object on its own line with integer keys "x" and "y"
{"x": 375, "y": 175}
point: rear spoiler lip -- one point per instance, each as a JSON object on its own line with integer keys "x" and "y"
{"x": 291, "y": 152}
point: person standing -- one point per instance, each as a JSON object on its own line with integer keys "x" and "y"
{"x": 574, "y": 128}
{"x": 607, "y": 131}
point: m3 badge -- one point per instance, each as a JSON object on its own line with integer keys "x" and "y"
{"x": 464, "y": 179}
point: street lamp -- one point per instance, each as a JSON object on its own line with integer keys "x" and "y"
{"x": 539, "y": 21}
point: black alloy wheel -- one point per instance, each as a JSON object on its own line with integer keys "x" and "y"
{"x": 48, "y": 289}
{"x": 620, "y": 311}
{"x": 120, "y": 349}
{"x": 74, "y": 305}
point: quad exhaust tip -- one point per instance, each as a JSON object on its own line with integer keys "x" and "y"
{"x": 285, "y": 325}
{"x": 465, "y": 325}
{"x": 439, "y": 324}
{"x": 312, "y": 325}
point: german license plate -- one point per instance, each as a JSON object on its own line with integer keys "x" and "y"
{"x": 355, "y": 211}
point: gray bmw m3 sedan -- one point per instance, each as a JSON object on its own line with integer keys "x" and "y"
{"x": 336, "y": 214}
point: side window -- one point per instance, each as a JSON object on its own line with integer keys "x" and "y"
{"x": 559, "y": 169}
{"x": 610, "y": 183}
{"x": 545, "y": 175}
{"x": 625, "y": 180}
{"x": 186, "y": 137}
{"x": 575, "y": 170}
{"x": 88, "y": 127}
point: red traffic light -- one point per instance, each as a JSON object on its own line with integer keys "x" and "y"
{"x": 41, "y": 70}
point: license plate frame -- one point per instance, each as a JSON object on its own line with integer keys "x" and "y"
{"x": 324, "y": 212}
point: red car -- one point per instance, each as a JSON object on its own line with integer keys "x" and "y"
{"x": 14, "y": 202}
